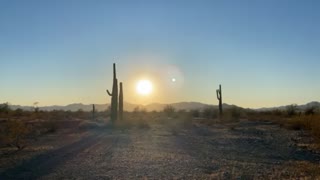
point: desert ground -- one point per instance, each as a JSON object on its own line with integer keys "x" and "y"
{"x": 167, "y": 148}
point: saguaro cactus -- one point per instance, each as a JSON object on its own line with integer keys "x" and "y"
{"x": 219, "y": 97}
{"x": 114, "y": 96}
{"x": 93, "y": 111}
{"x": 121, "y": 102}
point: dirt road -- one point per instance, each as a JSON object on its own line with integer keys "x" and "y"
{"x": 247, "y": 150}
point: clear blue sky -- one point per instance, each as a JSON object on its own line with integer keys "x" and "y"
{"x": 264, "y": 53}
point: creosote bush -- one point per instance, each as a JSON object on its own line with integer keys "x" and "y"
{"x": 210, "y": 113}
{"x": 290, "y": 119}
{"x": 169, "y": 110}
{"x": 195, "y": 113}
{"x": 291, "y": 110}
{"x": 14, "y": 133}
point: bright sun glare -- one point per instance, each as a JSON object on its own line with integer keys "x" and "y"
{"x": 144, "y": 87}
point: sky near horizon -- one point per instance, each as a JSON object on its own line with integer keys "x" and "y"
{"x": 264, "y": 53}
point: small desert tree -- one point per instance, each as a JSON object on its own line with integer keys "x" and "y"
{"x": 18, "y": 112}
{"x": 35, "y": 106}
{"x": 310, "y": 110}
{"x": 4, "y": 108}
{"x": 169, "y": 110}
{"x": 292, "y": 109}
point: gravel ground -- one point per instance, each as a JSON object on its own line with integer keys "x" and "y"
{"x": 245, "y": 150}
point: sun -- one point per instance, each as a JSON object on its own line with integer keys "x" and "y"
{"x": 144, "y": 87}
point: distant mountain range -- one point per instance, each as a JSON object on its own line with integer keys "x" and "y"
{"x": 127, "y": 106}
{"x": 302, "y": 107}
{"x": 152, "y": 107}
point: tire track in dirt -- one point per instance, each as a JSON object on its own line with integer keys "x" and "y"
{"x": 43, "y": 164}
{"x": 95, "y": 161}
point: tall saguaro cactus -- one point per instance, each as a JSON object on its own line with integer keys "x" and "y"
{"x": 219, "y": 97}
{"x": 93, "y": 111}
{"x": 121, "y": 102}
{"x": 114, "y": 96}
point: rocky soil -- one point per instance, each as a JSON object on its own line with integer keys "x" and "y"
{"x": 243, "y": 150}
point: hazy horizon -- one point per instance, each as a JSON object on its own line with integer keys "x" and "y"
{"x": 162, "y": 103}
{"x": 263, "y": 53}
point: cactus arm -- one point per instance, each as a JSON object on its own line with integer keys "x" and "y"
{"x": 218, "y": 94}
{"x": 110, "y": 94}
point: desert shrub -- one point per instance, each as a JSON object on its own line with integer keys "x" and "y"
{"x": 18, "y": 112}
{"x": 296, "y": 124}
{"x": 292, "y": 110}
{"x": 15, "y": 133}
{"x": 138, "y": 113}
{"x": 138, "y": 110}
{"x": 195, "y": 113}
{"x": 276, "y": 112}
{"x": 273, "y": 115}
{"x": 4, "y": 109}
{"x": 81, "y": 114}
{"x": 235, "y": 113}
{"x": 210, "y": 113}
{"x": 169, "y": 110}
{"x": 58, "y": 115}
{"x": 232, "y": 114}
{"x": 313, "y": 124}
{"x": 36, "y": 109}
{"x": 154, "y": 114}
{"x": 310, "y": 111}
{"x": 50, "y": 125}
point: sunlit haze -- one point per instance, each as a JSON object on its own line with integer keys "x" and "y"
{"x": 144, "y": 87}
{"x": 263, "y": 53}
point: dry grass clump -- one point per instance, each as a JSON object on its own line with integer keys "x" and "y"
{"x": 303, "y": 122}
{"x": 210, "y": 117}
{"x": 14, "y": 133}
{"x": 291, "y": 119}
{"x": 313, "y": 124}
{"x": 295, "y": 123}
